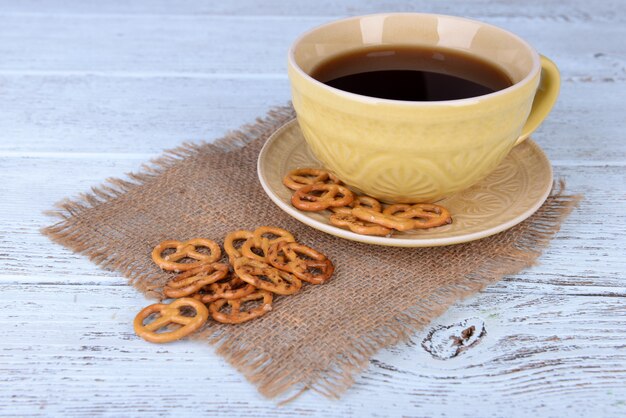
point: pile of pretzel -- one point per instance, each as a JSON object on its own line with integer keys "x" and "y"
{"x": 261, "y": 263}
{"x": 318, "y": 190}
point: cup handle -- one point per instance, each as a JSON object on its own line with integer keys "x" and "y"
{"x": 546, "y": 95}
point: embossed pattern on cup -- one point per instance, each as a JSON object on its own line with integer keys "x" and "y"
{"x": 507, "y": 196}
{"x": 412, "y": 151}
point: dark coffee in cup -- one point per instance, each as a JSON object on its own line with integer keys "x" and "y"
{"x": 411, "y": 73}
{"x": 436, "y": 138}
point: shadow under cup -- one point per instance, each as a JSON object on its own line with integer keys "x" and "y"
{"x": 403, "y": 151}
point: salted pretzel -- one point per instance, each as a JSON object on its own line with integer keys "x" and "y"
{"x": 359, "y": 201}
{"x": 193, "y": 280}
{"x": 304, "y": 262}
{"x": 256, "y": 247}
{"x": 230, "y": 288}
{"x": 424, "y": 215}
{"x": 320, "y": 196}
{"x": 300, "y": 177}
{"x": 230, "y": 241}
{"x": 170, "y": 314}
{"x": 354, "y": 224}
{"x": 185, "y": 250}
{"x": 236, "y": 315}
{"x": 266, "y": 277}
{"x": 386, "y": 220}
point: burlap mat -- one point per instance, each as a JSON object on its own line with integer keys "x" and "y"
{"x": 322, "y": 337}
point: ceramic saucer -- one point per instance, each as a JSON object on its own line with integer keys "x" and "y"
{"x": 513, "y": 192}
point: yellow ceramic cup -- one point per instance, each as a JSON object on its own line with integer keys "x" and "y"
{"x": 404, "y": 151}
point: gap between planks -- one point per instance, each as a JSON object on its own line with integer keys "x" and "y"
{"x": 217, "y": 75}
{"x": 94, "y": 282}
{"x": 200, "y": 16}
{"x": 147, "y": 74}
{"x": 575, "y": 17}
{"x": 150, "y": 156}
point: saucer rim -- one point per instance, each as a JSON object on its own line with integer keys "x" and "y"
{"x": 392, "y": 241}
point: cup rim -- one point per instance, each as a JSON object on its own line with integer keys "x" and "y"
{"x": 408, "y": 103}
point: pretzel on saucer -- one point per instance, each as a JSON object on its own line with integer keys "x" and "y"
{"x": 359, "y": 201}
{"x": 170, "y": 314}
{"x": 354, "y": 224}
{"x": 320, "y": 196}
{"x": 266, "y": 277}
{"x": 236, "y": 315}
{"x": 185, "y": 250}
{"x": 304, "y": 262}
{"x": 386, "y": 220}
{"x": 300, "y": 177}
{"x": 424, "y": 215}
{"x": 257, "y": 245}
{"x": 195, "y": 279}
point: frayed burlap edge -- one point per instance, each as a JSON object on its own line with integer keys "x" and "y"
{"x": 68, "y": 235}
{"x": 270, "y": 380}
{"x": 273, "y": 381}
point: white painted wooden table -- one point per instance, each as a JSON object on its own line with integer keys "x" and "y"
{"x": 91, "y": 89}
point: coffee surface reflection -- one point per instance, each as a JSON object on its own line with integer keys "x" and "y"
{"x": 411, "y": 73}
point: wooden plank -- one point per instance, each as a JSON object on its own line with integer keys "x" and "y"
{"x": 585, "y": 258}
{"x": 206, "y": 44}
{"x": 126, "y": 115}
{"x": 70, "y": 351}
{"x": 91, "y": 89}
{"x": 143, "y": 116}
{"x": 550, "y": 10}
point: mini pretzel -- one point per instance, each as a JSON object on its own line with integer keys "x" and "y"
{"x": 231, "y": 239}
{"x": 236, "y": 316}
{"x": 261, "y": 240}
{"x": 232, "y": 288}
{"x": 320, "y": 196}
{"x": 185, "y": 250}
{"x": 424, "y": 215}
{"x": 360, "y": 201}
{"x": 314, "y": 267}
{"x": 170, "y": 314}
{"x": 300, "y": 177}
{"x": 388, "y": 221}
{"x": 354, "y": 224}
{"x": 266, "y": 277}
{"x": 193, "y": 280}
{"x": 272, "y": 234}
{"x": 248, "y": 247}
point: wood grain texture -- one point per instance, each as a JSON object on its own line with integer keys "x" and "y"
{"x": 92, "y": 89}
{"x": 194, "y": 45}
{"x": 126, "y": 115}
{"x": 145, "y": 115}
{"x": 541, "y": 355}
{"x": 551, "y": 10}
{"x": 586, "y": 257}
